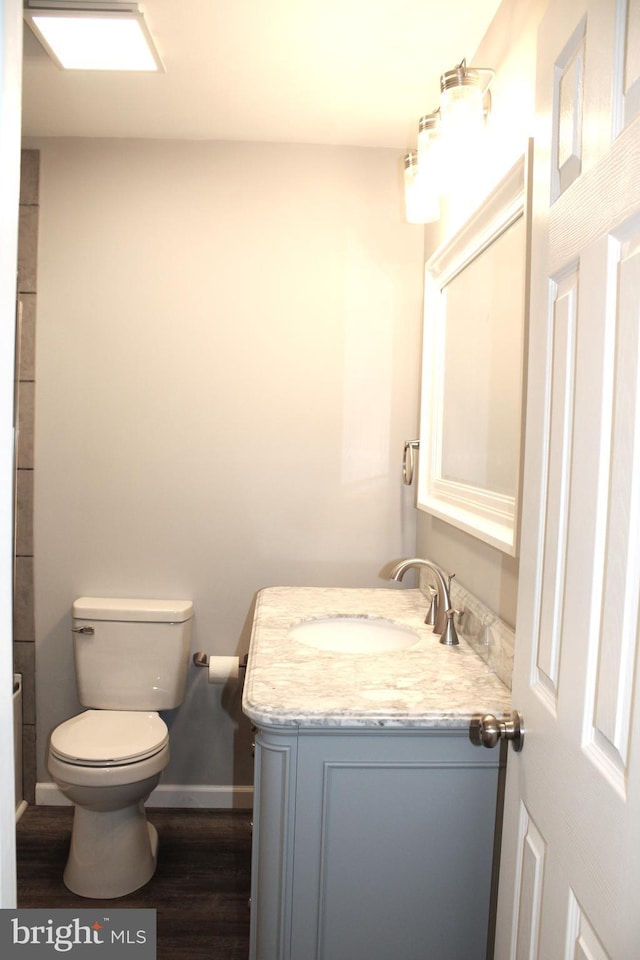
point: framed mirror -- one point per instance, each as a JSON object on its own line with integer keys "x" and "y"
{"x": 473, "y": 367}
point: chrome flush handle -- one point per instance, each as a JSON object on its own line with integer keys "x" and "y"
{"x": 85, "y": 631}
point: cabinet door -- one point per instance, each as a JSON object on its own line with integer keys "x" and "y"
{"x": 394, "y": 846}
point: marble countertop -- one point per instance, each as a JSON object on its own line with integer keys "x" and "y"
{"x": 428, "y": 685}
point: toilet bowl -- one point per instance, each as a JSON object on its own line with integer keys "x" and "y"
{"x": 107, "y": 761}
{"x": 113, "y": 847}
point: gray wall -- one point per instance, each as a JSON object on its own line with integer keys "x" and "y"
{"x": 228, "y": 364}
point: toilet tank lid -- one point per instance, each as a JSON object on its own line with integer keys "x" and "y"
{"x": 119, "y": 608}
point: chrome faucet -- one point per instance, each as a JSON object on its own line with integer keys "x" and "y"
{"x": 445, "y": 613}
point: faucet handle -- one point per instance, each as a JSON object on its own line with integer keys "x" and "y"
{"x": 432, "y": 612}
{"x": 450, "y": 636}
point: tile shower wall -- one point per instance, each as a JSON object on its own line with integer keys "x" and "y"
{"x": 24, "y": 620}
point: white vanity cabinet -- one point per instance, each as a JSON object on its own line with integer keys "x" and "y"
{"x": 372, "y": 844}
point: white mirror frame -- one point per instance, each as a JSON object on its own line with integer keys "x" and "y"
{"x": 488, "y": 514}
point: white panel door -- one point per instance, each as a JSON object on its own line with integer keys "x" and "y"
{"x": 570, "y": 868}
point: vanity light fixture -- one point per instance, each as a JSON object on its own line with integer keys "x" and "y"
{"x": 429, "y": 138}
{"x": 465, "y": 100}
{"x": 446, "y": 137}
{"x": 93, "y": 35}
{"x": 430, "y": 156}
{"x": 422, "y": 204}
{"x": 423, "y": 173}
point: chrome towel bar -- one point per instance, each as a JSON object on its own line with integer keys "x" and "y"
{"x": 408, "y": 461}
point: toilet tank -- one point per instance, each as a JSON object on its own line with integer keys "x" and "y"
{"x": 131, "y": 654}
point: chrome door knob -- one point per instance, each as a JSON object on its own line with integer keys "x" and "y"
{"x": 487, "y": 730}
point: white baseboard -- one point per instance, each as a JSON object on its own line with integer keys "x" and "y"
{"x": 48, "y": 795}
{"x": 225, "y": 797}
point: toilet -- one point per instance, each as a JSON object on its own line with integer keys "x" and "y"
{"x": 131, "y": 660}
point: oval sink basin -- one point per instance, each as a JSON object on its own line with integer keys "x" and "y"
{"x": 344, "y": 634}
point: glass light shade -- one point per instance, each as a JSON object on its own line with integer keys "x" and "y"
{"x": 430, "y": 158}
{"x": 461, "y": 102}
{"x": 421, "y": 200}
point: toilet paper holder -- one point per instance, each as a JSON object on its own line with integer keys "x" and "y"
{"x": 201, "y": 659}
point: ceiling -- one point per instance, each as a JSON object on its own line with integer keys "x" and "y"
{"x": 352, "y": 72}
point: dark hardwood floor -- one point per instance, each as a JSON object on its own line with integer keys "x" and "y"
{"x": 200, "y": 889}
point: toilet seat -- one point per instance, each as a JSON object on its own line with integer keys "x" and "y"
{"x": 109, "y": 738}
